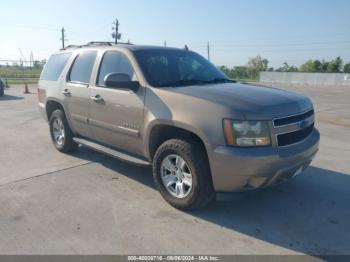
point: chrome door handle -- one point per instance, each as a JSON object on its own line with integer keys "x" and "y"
{"x": 97, "y": 98}
{"x": 66, "y": 92}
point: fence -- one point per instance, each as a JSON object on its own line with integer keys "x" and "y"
{"x": 337, "y": 79}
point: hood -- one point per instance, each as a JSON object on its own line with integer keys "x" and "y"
{"x": 254, "y": 102}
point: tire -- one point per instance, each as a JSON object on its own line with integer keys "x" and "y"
{"x": 196, "y": 164}
{"x": 65, "y": 142}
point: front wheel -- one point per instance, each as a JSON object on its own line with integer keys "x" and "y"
{"x": 182, "y": 174}
{"x": 61, "y": 134}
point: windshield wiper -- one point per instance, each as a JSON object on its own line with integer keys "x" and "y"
{"x": 221, "y": 80}
{"x": 185, "y": 82}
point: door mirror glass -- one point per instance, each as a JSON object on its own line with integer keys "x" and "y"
{"x": 120, "y": 80}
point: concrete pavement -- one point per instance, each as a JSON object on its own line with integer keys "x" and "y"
{"x": 87, "y": 203}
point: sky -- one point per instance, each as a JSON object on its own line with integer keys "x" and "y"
{"x": 290, "y": 31}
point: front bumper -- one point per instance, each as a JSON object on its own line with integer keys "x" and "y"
{"x": 240, "y": 169}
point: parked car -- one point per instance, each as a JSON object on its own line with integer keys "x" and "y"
{"x": 172, "y": 109}
{"x": 2, "y": 88}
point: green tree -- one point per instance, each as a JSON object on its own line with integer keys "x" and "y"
{"x": 346, "y": 68}
{"x": 38, "y": 64}
{"x": 317, "y": 66}
{"x": 226, "y": 71}
{"x": 324, "y": 66}
{"x": 287, "y": 68}
{"x": 308, "y": 67}
{"x": 258, "y": 63}
{"x": 335, "y": 66}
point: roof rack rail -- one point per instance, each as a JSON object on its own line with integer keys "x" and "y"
{"x": 95, "y": 43}
{"x": 99, "y": 43}
{"x": 71, "y": 46}
{"x": 106, "y": 43}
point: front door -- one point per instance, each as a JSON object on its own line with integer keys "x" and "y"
{"x": 116, "y": 115}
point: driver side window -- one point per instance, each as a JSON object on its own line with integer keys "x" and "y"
{"x": 191, "y": 69}
{"x": 114, "y": 62}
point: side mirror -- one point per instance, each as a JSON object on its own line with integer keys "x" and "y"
{"x": 122, "y": 81}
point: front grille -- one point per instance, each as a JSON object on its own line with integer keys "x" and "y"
{"x": 294, "y": 137}
{"x": 292, "y": 119}
{"x": 293, "y": 129}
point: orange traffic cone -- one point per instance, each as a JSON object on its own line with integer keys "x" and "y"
{"x": 26, "y": 90}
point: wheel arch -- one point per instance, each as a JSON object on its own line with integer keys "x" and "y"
{"x": 53, "y": 104}
{"x": 161, "y": 132}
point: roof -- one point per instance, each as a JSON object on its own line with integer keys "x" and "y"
{"x": 129, "y": 46}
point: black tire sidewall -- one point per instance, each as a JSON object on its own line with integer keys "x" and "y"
{"x": 60, "y": 115}
{"x": 185, "y": 150}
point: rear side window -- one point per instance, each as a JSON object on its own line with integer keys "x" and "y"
{"x": 114, "y": 62}
{"x": 82, "y": 67}
{"x": 54, "y": 67}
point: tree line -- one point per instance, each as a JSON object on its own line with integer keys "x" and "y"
{"x": 258, "y": 64}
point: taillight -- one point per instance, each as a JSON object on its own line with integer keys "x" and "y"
{"x": 41, "y": 93}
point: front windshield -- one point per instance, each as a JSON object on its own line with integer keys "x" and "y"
{"x": 171, "y": 67}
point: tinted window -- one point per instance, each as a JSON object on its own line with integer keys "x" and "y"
{"x": 164, "y": 67}
{"x": 54, "y": 67}
{"x": 114, "y": 62}
{"x": 82, "y": 67}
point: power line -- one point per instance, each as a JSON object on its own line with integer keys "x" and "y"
{"x": 14, "y": 60}
{"x": 32, "y": 27}
{"x": 280, "y": 45}
{"x": 282, "y": 50}
{"x": 88, "y": 33}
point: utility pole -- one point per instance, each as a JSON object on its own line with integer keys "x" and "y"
{"x": 31, "y": 60}
{"x": 20, "y": 51}
{"x": 63, "y": 37}
{"x": 165, "y": 43}
{"x": 116, "y": 35}
{"x": 208, "y": 50}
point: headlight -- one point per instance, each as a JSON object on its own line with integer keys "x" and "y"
{"x": 247, "y": 133}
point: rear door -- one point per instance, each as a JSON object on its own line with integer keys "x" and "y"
{"x": 77, "y": 92}
{"x": 116, "y": 118}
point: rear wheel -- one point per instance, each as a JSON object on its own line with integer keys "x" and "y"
{"x": 61, "y": 134}
{"x": 182, "y": 174}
